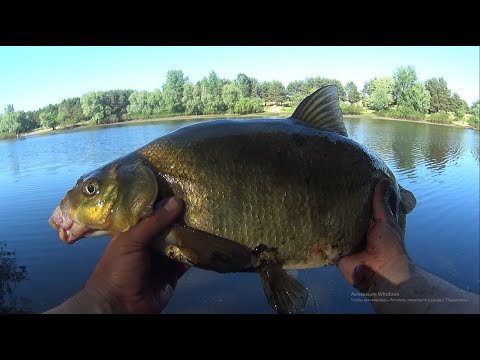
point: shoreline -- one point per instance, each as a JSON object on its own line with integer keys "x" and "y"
{"x": 160, "y": 119}
{"x": 220, "y": 116}
{"x": 453, "y": 124}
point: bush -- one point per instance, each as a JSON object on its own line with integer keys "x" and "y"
{"x": 408, "y": 113}
{"x": 459, "y": 115}
{"x": 10, "y": 276}
{"x": 248, "y": 106}
{"x": 473, "y": 120}
{"x": 351, "y": 109}
{"x": 402, "y": 113}
{"x": 440, "y": 118}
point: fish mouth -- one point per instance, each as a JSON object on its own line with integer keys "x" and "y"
{"x": 68, "y": 229}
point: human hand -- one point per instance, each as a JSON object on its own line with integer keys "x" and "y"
{"x": 384, "y": 256}
{"x": 130, "y": 278}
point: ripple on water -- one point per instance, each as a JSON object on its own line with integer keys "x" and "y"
{"x": 439, "y": 165}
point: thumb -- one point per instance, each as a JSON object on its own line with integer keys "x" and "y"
{"x": 381, "y": 208}
{"x": 347, "y": 265}
{"x": 167, "y": 211}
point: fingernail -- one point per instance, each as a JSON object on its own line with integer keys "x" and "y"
{"x": 172, "y": 204}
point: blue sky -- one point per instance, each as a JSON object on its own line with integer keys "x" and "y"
{"x": 32, "y": 77}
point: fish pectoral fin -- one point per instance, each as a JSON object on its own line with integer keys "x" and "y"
{"x": 322, "y": 110}
{"x": 284, "y": 293}
{"x": 208, "y": 251}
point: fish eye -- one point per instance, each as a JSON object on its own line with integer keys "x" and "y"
{"x": 90, "y": 189}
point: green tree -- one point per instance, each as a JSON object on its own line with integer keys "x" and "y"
{"x": 458, "y": 104}
{"x": 49, "y": 117}
{"x": 70, "y": 112}
{"x": 297, "y": 90}
{"x": 192, "y": 98}
{"x": 145, "y": 103}
{"x": 377, "y": 93}
{"x": 9, "y": 109}
{"x": 96, "y": 106}
{"x": 256, "y": 89}
{"x": 474, "y": 118}
{"x": 173, "y": 91}
{"x": 418, "y": 97}
{"x": 475, "y": 105}
{"x": 405, "y": 78}
{"x": 276, "y": 92}
{"x": 264, "y": 89}
{"x": 34, "y": 119}
{"x": 10, "y": 121}
{"x": 26, "y": 122}
{"x": 439, "y": 93}
{"x": 244, "y": 85}
{"x": 118, "y": 102}
{"x": 313, "y": 84}
{"x": 367, "y": 90}
{"x": 351, "y": 92}
{"x": 230, "y": 96}
{"x": 381, "y": 98}
{"x": 297, "y": 87}
{"x": 211, "y": 94}
{"x": 155, "y": 102}
{"x": 138, "y": 104}
{"x": 15, "y": 122}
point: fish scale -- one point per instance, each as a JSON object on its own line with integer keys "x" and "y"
{"x": 239, "y": 200}
{"x": 261, "y": 195}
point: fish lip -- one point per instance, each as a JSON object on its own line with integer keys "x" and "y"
{"x": 69, "y": 230}
{"x": 61, "y": 219}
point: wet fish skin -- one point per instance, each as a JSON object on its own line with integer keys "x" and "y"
{"x": 300, "y": 190}
{"x": 260, "y": 195}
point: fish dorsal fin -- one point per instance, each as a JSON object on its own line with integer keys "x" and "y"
{"x": 322, "y": 109}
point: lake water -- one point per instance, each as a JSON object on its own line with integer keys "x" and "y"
{"x": 440, "y": 165}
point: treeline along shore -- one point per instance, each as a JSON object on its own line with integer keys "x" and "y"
{"x": 400, "y": 96}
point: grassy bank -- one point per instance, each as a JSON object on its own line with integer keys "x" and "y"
{"x": 426, "y": 120}
{"x": 7, "y": 136}
{"x": 91, "y": 124}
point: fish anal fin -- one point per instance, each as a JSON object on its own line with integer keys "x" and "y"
{"x": 284, "y": 293}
